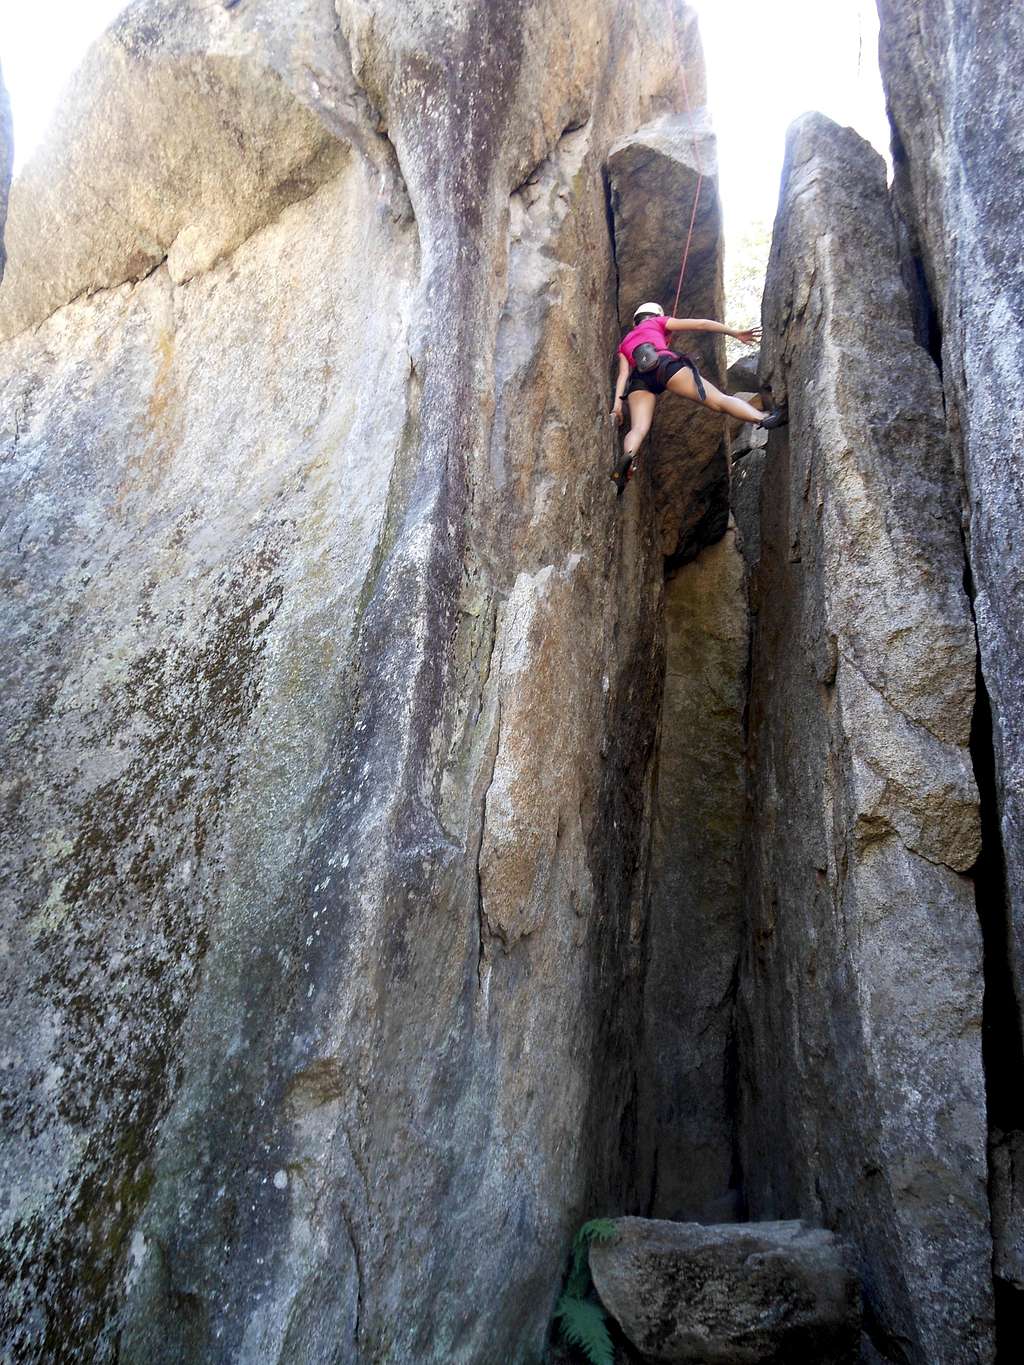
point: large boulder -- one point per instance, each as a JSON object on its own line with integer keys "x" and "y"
{"x": 737, "y": 1294}
{"x": 334, "y": 664}
{"x": 862, "y": 1086}
{"x": 228, "y": 121}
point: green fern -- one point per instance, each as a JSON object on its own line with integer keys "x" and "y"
{"x": 597, "y": 1230}
{"x": 584, "y": 1326}
{"x": 582, "y": 1318}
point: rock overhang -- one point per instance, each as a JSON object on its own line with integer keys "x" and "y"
{"x": 186, "y": 129}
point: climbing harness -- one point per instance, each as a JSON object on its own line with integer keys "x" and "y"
{"x": 696, "y": 197}
{"x": 656, "y": 380}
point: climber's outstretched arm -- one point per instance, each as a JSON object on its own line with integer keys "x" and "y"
{"x": 749, "y": 335}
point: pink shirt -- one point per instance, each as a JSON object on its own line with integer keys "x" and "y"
{"x": 652, "y": 330}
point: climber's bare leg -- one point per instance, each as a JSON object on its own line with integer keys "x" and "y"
{"x": 683, "y": 383}
{"x": 641, "y": 415}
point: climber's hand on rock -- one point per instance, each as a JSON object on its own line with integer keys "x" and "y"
{"x": 749, "y": 337}
{"x": 616, "y": 412}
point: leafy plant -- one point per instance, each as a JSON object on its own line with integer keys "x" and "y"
{"x": 583, "y": 1324}
{"x": 582, "y": 1317}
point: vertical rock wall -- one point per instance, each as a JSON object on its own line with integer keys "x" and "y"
{"x": 336, "y": 679}
{"x": 862, "y": 1084}
{"x": 6, "y": 160}
{"x": 953, "y": 77}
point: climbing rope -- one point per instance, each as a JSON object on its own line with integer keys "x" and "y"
{"x": 696, "y": 197}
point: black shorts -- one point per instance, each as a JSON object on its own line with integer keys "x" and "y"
{"x": 656, "y": 380}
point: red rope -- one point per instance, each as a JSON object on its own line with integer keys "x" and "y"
{"x": 686, "y": 252}
{"x": 696, "y": 197}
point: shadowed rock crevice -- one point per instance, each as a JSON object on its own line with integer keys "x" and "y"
{"x": 686, "y": 1090}
{"x": 927, "y": 323}
{"x": 687, "y": 1093}
{"x": 1002, "y": 1044}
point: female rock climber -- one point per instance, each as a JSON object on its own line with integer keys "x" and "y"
{"x": 648, "y": 366}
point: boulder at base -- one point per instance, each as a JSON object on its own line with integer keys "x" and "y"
{"x": 730, "y": 1294}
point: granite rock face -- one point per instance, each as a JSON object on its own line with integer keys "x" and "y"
{"x": 737, "y": 1294}
{"x": 244, "y": 121}
{"x": 653, "y": 180}
{"x": 954, "y": 76}
{"x": 6, "y": 161}
{"x": 335, "y": 683}
{"x": 861, "y": 1074}
{"x": 369, "y": 919}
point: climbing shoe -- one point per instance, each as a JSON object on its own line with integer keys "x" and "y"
{"x": 778, "y": 417}
{"x": 623, "y": 472}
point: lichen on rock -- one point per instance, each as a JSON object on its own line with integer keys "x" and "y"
{"x": 303, "y": 411}
{"x": 772, "y": 1293}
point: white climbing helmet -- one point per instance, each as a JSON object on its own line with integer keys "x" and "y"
{"x": 648, "y": 310}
